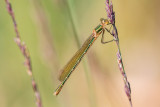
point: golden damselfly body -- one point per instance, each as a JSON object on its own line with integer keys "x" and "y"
{"x": 76, "y": 59}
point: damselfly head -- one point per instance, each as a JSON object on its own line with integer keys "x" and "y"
{"x": 104, "y": 21}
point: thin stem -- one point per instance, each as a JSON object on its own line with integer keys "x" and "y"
{"x": 111, "y": 18}
{"x": 75, "y": 32}
{"x": 25, "y": 53}
{"x": 121, "y": 67}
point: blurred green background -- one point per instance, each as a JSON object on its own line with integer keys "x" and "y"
{"x": 46, "y": 28}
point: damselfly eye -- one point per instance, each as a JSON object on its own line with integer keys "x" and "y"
{"x": 102, "y": 20}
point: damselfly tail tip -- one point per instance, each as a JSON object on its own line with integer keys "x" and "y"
{"x": 57, "y": 91}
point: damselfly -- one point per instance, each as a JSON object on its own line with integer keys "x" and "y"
{"x": 75, "y": 60}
